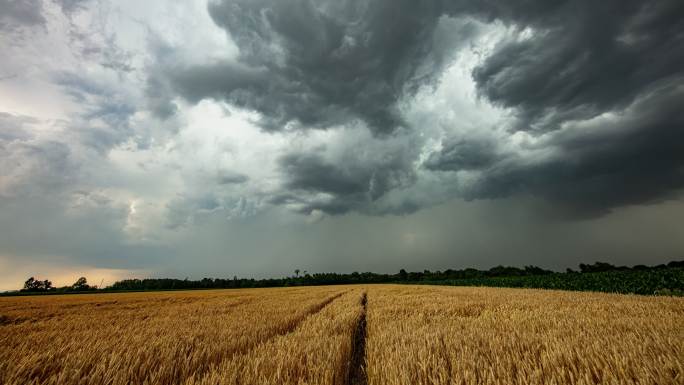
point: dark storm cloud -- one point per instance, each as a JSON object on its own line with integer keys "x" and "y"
{"x": 18, "y": 13}
{"x": 323, "y": 63}
{"x": 629, "y": 158}
{"x": 583, "y": 57}
{"x": 336, "y": 187}
{"x": 463, "y": 155}
{"x": 326, "y": 63}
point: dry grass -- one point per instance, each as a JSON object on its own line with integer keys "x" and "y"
{"x": 415, "y": 335}
{"x": 440, "y": 335}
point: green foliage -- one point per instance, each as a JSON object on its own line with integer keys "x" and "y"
{"x": 664, "y": 281}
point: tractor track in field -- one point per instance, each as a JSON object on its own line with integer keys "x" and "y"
{"x": 286, "y": 329}
{"x": 314, "y": 310}
{"x": 357, "y": 369}
{"x": 290, "y": 327}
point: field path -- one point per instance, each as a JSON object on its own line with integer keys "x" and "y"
{"x": 357, "y": 371}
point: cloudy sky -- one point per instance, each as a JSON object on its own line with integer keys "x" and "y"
{"x": 253, "y": 137}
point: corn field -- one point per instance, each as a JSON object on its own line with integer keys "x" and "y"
{"x": 375, "y": 334}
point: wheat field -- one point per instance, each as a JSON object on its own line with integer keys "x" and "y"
{"x": 374, "y": 334}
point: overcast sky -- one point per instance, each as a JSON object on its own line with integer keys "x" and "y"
{"x": 255, "y": 137}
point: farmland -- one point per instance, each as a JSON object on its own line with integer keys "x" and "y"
{"x": 374, "y": 334}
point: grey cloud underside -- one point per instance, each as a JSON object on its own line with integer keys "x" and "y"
{"x": 227, "y": 178}
{"x": 637, "y": 157}
{"x": 463, "y": 154}
{"x": 71, "y": 6}
{"x": 32, "y": 166}
{"x": 336, "y": 187}
{"x": 324, "y": 63}
{"x": 19, "y": 13}
{"x": 319, "y": 64}
{"x": 585, "y": 58}
{"x": 12, "y": 127}
{"x": 35, "y": 167}
{"x": 105, "y": 120}
{"x": 15, "y": 14}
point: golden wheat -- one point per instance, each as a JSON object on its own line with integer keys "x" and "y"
{"x": 158, "y": 338}
{"x": 317, "y": 352}
{"x": 308, "y": 335}
{"x": 441, "y": 335}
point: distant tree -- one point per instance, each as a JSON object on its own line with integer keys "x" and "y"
{"x": 535, "y": 270}
{"x": 403, "y": 275}
{"x": 597, "y": 267}
{"x": 297, "y": 272}
{"x": 47, "y": 285}
{"x": 81, "y": 285}
{"x": 33, "y": 284}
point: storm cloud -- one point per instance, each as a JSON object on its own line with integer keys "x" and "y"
{"x": 305, "y": 64}
{"x": 582, "y": 59}
{"x": 251, "y": 136}
{"x": 322, "y": 64}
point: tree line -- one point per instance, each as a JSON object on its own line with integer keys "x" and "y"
{"x": 610, "y": 278}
